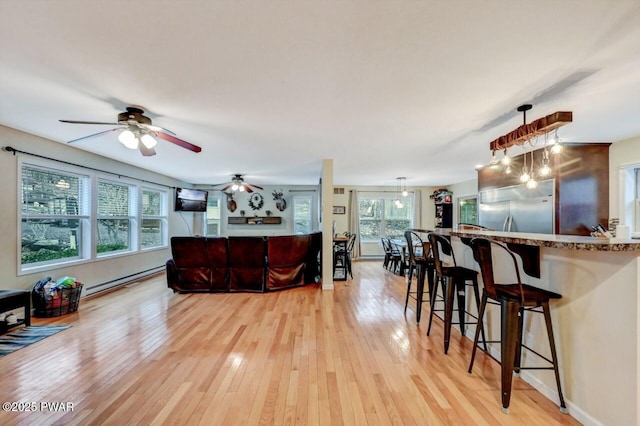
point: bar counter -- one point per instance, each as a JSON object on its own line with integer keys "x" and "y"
{"x": 571, "y": 242}
{"x": 596, "y": 323}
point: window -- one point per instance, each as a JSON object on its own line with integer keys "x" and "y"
{"x": 54, "y": 219}
{"x": 302, "y": 218}
{"x": 154, "y": 218}
{"x": 68, "y": 216}
{"x": 468, "y": 210}
{"x": 381, "y": 217}
{"x": 115, "y": 217}
{"x": 213, "y": 215}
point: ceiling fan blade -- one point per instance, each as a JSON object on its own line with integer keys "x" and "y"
{"x": 255, "y": 186}
{"x": 94, "y": 135}
{"x": 179, "y": 142}
{"x": 87, "y": 122}
{"x": 147, "y": 152}
{"x": 155, "y": 128}
{"x": 247, "y": 188}
{"x": 226, "y": 187}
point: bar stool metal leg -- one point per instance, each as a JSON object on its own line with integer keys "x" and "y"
{"x": 479, "y": 329}
{"x": 510, "y": 310}
{"x": 554, "y": 356}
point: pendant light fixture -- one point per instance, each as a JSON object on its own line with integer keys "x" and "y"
{"x": 400, "y": 190}
{"x": 529, "y": 134}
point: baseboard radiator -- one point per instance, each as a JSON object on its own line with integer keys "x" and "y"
{"x": 108, "y": 285}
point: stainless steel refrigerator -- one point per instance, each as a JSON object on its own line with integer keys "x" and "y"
{"x": 518, "y": 208}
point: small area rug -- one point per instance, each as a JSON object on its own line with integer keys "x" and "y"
{"x": 22, "y": 337}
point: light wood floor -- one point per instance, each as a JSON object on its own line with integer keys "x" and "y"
{"x": 143, "y": 355}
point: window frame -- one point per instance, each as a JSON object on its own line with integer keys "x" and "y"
{"x": 162, "y": 217}
{"x": 84, "y": 205}
{"x": 217, "y": 195}
{"x": 305, "y": 197}
{"x": 132, "y": 216}
{"x": 385, "y": 198}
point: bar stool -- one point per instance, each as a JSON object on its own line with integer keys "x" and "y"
{"x": 453, "y": 279}
{"x": 421, "y": 262}
{"x": 514, "y": 300}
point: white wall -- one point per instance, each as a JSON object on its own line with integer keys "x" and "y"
{"x": 91, "y": 273}
{"x": 242, "y": 203}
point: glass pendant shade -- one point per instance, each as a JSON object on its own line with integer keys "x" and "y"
{"x": 506, "y": 160}
{"x": 128, "y": 139}
{"x": 148, "y": 141}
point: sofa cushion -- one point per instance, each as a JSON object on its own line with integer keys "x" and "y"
{"x": 286, "y": 257}
{"x": 191, "y": 263}
{"x": 246, "y": 263}
{"x": 218, "y": 255}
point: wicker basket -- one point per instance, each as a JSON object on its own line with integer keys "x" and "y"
{"x": 64, "y": 301}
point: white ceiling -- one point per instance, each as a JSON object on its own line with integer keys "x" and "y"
{"x": 270, "y": 88}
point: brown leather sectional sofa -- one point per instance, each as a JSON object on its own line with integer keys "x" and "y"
{"x": 253, "y": 264}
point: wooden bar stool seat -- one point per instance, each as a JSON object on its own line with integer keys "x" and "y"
{"x": 514, "y": 299}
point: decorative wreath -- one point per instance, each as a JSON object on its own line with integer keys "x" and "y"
{"x": 256, "y": 201}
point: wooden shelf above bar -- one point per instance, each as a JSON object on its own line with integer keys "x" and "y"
{"x": 255, "y": 220}
{"x": 535, "y": 128}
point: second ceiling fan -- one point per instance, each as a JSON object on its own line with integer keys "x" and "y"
{"x": 238, "y": 184}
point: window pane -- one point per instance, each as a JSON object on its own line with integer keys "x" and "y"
{"x": 213, "y": 216}
{"x": 50, "y": 239}
{"x": 151, "y": 203}
{"x": 113, "y": 235}
{"x": 468, "y": 211}
{"x": 113, "y": 199}
{"x": 152, "y": 231}
{"x": 392, "y": 211}
{"x": 302, "y": 215}
{"x": 370, "y": 208}
{"x": 394, "y": 228}
{"x": 370, "y": 230}
{"x": 48, "y": 192}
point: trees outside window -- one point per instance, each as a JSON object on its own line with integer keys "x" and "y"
{"x": 381, "y": 217}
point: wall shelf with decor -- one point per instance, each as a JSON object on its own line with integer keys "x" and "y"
{"x": 255, "y": 220}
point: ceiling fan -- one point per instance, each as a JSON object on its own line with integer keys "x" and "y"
{"x": 137, "y": 132}
{"x": 238, "y": 184}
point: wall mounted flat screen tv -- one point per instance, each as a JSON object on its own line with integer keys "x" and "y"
{"x": 191, "y": 200}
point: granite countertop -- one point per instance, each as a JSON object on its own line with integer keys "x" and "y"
{"x": 571, "y": 242}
